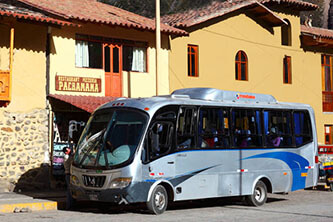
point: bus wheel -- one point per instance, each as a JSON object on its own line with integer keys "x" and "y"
{"x": 158, "y": 201}
{"x": 259, "y": 196}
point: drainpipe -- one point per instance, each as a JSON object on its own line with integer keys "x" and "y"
{"x": 47, "y": 153}
{"x": 158, "y": 41}
{"x": 11, "y": 54}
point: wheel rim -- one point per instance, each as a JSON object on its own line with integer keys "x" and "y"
{"x": 259, "y": 194}
{"x": 159, "y": 200}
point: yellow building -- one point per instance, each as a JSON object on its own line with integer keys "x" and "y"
{"x": 67, "y": 59}
{"x": 249, "y": 46}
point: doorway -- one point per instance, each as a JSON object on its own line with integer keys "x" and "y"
{"x": 113, "y": 69}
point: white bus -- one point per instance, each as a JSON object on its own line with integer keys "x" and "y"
{"x": 193, "y": 144}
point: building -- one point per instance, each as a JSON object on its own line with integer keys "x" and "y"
{"x": 59, "y": 61}
{"x": 252, "y": 46}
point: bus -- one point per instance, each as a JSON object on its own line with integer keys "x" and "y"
{"x": 196, "y": 143}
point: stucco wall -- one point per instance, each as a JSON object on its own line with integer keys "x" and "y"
{"x": 141, "y": 84}
{"x": 24, "y": 122}
{"x": 218, "y": 44}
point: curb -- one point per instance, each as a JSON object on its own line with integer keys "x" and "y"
{"x": 27, "y": 206}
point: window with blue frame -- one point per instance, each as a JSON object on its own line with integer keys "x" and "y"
{"x": 277, "y": 127}
{"x": 302, "y": 128}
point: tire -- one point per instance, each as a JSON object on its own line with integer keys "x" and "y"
{"x": 259, "y": 196}
{"x": 158, "y": 201}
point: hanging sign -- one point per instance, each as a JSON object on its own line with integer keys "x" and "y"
{"x": 78, "y": 84}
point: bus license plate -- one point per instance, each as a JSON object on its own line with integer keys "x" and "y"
{"x": 93, "y": 197}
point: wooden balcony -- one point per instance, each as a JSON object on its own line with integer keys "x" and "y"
{"x": 327, "y": 101}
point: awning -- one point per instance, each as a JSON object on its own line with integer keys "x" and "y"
{"x": 86, "y": 103}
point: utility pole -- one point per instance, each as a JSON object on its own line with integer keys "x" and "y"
{"x": 158, "y": 40}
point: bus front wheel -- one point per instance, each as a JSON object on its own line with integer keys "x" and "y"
{"x": 158, "y": 201}
{"x": 259, "y": 196}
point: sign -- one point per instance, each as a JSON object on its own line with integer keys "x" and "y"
{"x": 78, "y": 84}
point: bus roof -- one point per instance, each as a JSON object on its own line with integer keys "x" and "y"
{"x": 204, "y": 96}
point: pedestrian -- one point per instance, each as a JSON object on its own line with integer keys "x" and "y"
{"x": 67, "y": 165}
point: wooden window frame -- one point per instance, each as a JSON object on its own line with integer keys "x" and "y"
{"x": 238, "y": 63}
{"x": 196, "y": 60}
{"x": 287, "y": 63}
{"x": 286, "y": 33}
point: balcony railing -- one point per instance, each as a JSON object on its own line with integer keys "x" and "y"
{"x": 327, "y": 101}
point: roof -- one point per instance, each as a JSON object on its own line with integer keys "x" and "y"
{"x": 217, "y": 9}
{"x": 313, "y": 36}
{"x": 7, "y": 8}
{"x": 293, "y": 4}
{"x": 315, "y": 31}
{"x": 96, "y": 12}
{"x": 86, "y": 103}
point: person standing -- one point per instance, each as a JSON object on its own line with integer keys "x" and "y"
{"x": 67, "y": 165}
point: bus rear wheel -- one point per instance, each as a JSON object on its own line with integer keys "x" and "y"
{"x": 259, "y": 196}
{"x": 158, "y": 201}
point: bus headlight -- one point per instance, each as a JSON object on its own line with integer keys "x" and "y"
{"x": 121, "y": 182}
{"x": 75, "y": 180}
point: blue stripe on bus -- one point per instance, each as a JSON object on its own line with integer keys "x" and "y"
{"x": 296, "y": 163}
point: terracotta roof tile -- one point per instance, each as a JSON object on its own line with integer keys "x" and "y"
{"x": 295, "y": 4}
{"x": 93, "y": 11}
{"x": 217, "y": 9}
{"x": 319, "y": 32}
{"x": 86, "y": 103}
{"x": 9, "y": 9}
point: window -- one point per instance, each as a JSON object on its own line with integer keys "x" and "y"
{"x": 326, "y": 64}
{"x": 88, "y": 54}
{"x": 213, "y": 128}
{"x": 186, "y": 130}
{"x": 192, "y": 60}
{"x": 247, "y": 128}
{"x": 277, "y": 127}
{"x": 302, "y": 128}
{"x": 286, "y": 34}
{"x": 160, "y": 139}
{"x": 241, "y": 66}
{"x": 287, "y": 69}
{"x": 134, "y": 58}
{"x": 328, "y": 134}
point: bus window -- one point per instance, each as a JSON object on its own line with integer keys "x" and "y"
{"x": 213, "y": 128}
{"x": 186, "y": 128}
{"x": 302, "y": 128}
{"x": 160, "y": 139}
{"x": 277, "y": 126}
{"x": 247, "y": 128}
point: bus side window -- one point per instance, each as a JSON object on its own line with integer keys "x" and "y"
{"x": 302, "y": 128}
{"x": 247, "y": 128}
{"x": 159, "y": 140}
{"x": 213, "y": 128}
{"x": 186, "y": 128}
{"x": 277, "y": 127}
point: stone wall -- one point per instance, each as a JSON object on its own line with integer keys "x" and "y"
{"x": 23, "y": 148}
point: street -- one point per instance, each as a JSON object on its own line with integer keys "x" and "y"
{"x": 303, "y": 205}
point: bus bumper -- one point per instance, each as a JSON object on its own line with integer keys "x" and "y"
{"x": 132, "y": 194}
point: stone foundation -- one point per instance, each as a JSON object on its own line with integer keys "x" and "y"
{"x": 23, "y": 144}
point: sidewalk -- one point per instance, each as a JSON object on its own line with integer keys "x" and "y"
{"x": 31, "y": 201}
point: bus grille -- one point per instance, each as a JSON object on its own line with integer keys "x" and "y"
{"x": 93, "y": 181}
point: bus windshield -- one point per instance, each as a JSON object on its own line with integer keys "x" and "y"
{"x": 110, "y": 138}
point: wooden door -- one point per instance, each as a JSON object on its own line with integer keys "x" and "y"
{"x": 113, "y": 69}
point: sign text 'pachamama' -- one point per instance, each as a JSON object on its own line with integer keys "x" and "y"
{"x": 78, "y": 84}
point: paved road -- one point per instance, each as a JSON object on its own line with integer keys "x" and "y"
{"x": 304, "y": 205}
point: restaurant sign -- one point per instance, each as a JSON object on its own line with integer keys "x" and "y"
{"x": 78, "y": 84}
